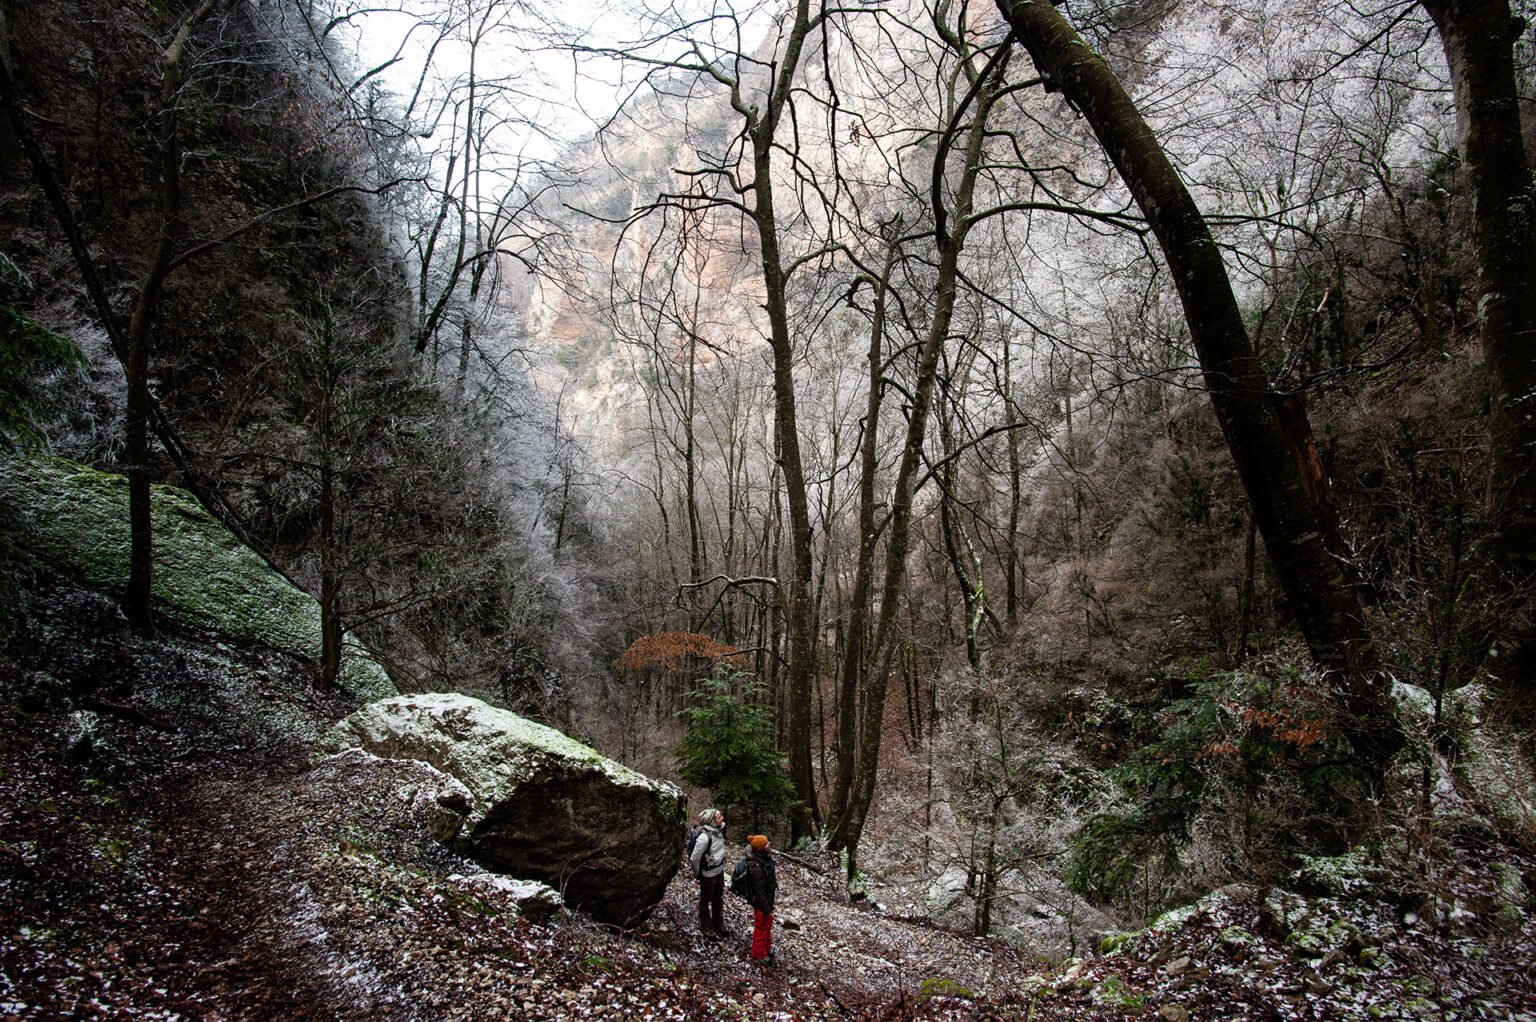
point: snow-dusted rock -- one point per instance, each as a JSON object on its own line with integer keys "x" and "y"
{"x": 436, "y": 798}
{"x": 205, "y": 578}
{"x": 945, "y": 891}
{"x": 545, "y": 807}
{"x": 1488, "y": 774}
{"x": 531, "y": 899}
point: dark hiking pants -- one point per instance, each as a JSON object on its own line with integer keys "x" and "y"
{"x": 711, "y": 903}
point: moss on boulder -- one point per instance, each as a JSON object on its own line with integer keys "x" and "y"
{"x": 76, "y": 520}
{"x": 1353, "y": 874}
{"x": 545, "y": 807}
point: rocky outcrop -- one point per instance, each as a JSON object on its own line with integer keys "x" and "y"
{"x": 1033, "y": 910}
{"x": 76, "y": 519}
{"x": 1487, "y": 777}
{"x": 545, "y": 807}
{"x": 530, "y": 899}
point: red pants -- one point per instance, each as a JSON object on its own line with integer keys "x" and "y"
{"x": 762, "y": 933}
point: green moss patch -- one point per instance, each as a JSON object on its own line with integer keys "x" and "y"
{"x": 77, "y": 521}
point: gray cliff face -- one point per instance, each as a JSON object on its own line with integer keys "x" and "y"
{"x": 544, "y": 806}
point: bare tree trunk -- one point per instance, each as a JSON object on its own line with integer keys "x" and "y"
{"x": 872, "y": 702}
{"x": 1478, "y": 36}
{"x": 1245, "y": 594}
{"x": 856, "y": 642}
{"x": 1331, "y": 617}
{"x": 968, "y": 577}
{"x": 137, "y": 602}
{"x": 466, "y": 343}
{"x": 797, "y": 595}
{"x": 330, "y": 617}
{"x": 690, "y": 466}
{"x": 1013, "y": 569}
{"x": 138, "y": 598}
{"x": 986, "y": 888}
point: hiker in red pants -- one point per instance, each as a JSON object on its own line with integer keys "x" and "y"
{"x": 764, "y": 886}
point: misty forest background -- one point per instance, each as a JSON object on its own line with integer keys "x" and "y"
{"x": 856, "y": 412}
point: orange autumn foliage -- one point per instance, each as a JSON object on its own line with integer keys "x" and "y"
{"x": 1291, "y": 728}
{"x": 667, "y": 650}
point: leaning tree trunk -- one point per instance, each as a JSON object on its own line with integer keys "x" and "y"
{"x": 1478, "y": 36}
{"x": 1326, "y": 606}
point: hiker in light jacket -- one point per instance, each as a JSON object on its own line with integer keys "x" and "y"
{"x": 765, "y": 888}
{"x": 707, "y": 861}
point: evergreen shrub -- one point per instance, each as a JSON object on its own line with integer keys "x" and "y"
{"x": 728, "y": 746}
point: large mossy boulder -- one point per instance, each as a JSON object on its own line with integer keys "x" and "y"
{"x": 545, "y": 807}
{"x": 76, "y": 520}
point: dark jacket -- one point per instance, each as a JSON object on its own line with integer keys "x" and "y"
{"x": 765, "y": 881}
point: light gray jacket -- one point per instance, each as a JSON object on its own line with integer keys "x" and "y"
{"x": 708, "y": 853}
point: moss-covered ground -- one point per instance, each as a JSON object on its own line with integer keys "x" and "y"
{"x": 76, "y": 520}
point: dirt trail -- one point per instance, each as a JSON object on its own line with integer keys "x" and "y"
{"x": 208, "y": 873}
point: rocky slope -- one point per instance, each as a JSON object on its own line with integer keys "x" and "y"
{"x": 207, "y": 872}
{"x": 179, "y": 852}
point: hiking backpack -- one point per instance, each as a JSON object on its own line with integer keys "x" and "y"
{"x": 741, "y": 881}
